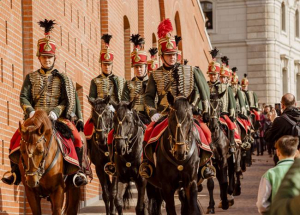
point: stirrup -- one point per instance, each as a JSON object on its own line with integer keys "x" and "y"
{"x": 142, "y": 171}
{"x": 246, "y": 145}
{"x": 107, "y": 169}
{"x": 13, "y": 174}
{"x": 210, "y": 167}
{"x": 79, "y": 174}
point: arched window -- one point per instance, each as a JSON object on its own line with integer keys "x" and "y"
{"x": 207, "y": 8}
{"x": 297, "y": 33}
{"x": 283, "y": 17}
{"x": 127, "y": 48}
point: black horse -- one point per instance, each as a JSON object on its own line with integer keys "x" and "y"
{"x": 223, "y": 161}
{"x": 177, "y": 158}
{"x": 127, "y": 144}
{"x": 102, "y": 118}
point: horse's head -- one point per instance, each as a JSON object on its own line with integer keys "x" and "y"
{"x": 215, "y": 112}
{"x": 35, "y": 137}
{"x": 180, "y": 125}
{"x": 102, "y": 117}
{"x": 125, "y": 126}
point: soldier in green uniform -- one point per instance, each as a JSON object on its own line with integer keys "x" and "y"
{"x": 52, "y": 91}
{"x": 177, "y": 79}
{"x": 251, "y": 96}
{"x": 240, "y": 102}
{"x": 136, "y": 87}
{"x": 107, "y": 83}
{"x": 221, "y": 87}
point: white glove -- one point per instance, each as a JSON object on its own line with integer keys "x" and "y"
{"x": 31, "y": 114}
{"x": 111, "y": 108}
{"x": 52, "y": 116}
{"x": 155, "y": 117}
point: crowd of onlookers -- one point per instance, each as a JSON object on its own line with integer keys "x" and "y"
{"x": 279, "y": 189}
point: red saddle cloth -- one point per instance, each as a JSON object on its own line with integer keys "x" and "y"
{"x": 153, "y": 134}
{"x": 244, "y": 123}
{"x": 257, "y": 116}
{"x": 230, "y": 125}
{"x": 67, "y": 146}
{"x": 89, "y": 129}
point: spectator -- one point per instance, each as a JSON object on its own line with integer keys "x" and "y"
{"x": 280, "y": 126}
{"x": 286, "y": 149}
{"x": 287, "y": 199}
{"x": 263, "y": 121}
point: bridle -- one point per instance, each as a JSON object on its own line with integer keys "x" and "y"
{"x": 100, "y": 125}
{"x": 130, "y": 138}
{"x": 40, "y": 168}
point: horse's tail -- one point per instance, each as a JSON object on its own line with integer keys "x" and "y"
{"x": 127, "y": 196}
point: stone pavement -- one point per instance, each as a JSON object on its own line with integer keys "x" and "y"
{"x": 244, "y": 204}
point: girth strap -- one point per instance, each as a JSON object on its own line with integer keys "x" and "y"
{"x": 54, "y": 160}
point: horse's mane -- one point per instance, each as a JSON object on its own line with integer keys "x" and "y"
{"x": 40, "y": 117}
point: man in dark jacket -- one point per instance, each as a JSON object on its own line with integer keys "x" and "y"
{"x": 280, "y": 126}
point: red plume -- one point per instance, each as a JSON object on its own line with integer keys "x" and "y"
{"x": 164, "y": 27}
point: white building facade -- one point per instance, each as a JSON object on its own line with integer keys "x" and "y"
{"x": 261, "y": 38}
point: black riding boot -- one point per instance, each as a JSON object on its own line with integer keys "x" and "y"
{"x": 232, "y": 142}
{"x": 146, "y": 169}
{"x": 15, "y": 178}
{"x": 80, "y": 178}
{"x": 110, "y": 167}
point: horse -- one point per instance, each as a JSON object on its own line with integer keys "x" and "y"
{"x": 128, "y": 147}
{"x": 177, "y": 158}
{"x": 42, "y": 167}
{"x": 102, "y": 118}
{"x": 222, "y": 160}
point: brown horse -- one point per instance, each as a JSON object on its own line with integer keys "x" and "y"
{"x": 42, "y": 167}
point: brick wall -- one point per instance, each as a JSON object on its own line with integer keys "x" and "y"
{"x": 80, "y": 25}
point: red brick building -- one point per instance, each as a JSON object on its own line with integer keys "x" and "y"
{"x": 80, "y": 25}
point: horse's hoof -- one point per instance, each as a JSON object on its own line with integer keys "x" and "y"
{"x": 231, "y": 202}
{"x": 210, "y": 211}
{"x": 237, "y": 191}
{"x": 224, "y": 205}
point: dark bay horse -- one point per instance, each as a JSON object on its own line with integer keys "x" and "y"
{"x": 222, "y": 160}
{"x": 102, "y": 118}
{"x": 128, "y": 146}
{"x": 177, "y": 158}
{"x": 42, "y": 167}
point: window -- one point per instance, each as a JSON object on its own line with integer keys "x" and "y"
{"x": 283, "y": 16}
{"x": 297, "y": 24}
{"x": 207, "y": 8}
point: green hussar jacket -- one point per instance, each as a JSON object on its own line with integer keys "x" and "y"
{"x": 183, "y": 81}
{"x": 104, "y": 85}
{"x": 50, "y": 91}
{"x": 246, "y": 101}
{"x": 252, "y": 99}
{"x": 240, "y": 102}
{"x": 135, "y": 89}
{"x": 218, "y": 89}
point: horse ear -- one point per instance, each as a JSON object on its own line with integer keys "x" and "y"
{"x": 170, "y": 98}
{"x": 22, "y": 128}
{"x": 107, "y": 99}
{"x": 91, "y": 100}
{"x": 41, "y": 129}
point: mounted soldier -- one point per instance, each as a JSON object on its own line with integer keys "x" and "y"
{"x": 135, "y": 88}
{"x": 49, "y": 90}
{"x": 105, "y": 85}
{"x": 179, "y": 80}
{"x": 221, "y": 87}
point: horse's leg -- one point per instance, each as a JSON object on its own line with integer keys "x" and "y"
{"x": 168, "y": 194}
{"x": 210, "y": 187}
{"x": 223, "y": 187}
{"x": 154, "y": 200}
{"x": 57, "y": 199}
{"x": 73, "y": 199}
{"x": 140, "y": 184}
{"x": 112, "y": 186}
{"x": 238, "y": 171}
{"x": 191, "y": 197}
{"x": 120, "y": 190}
{"x": 231, "y": 174}
{"x": 105, "y": 189}
{"x": 34, "y": 201}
